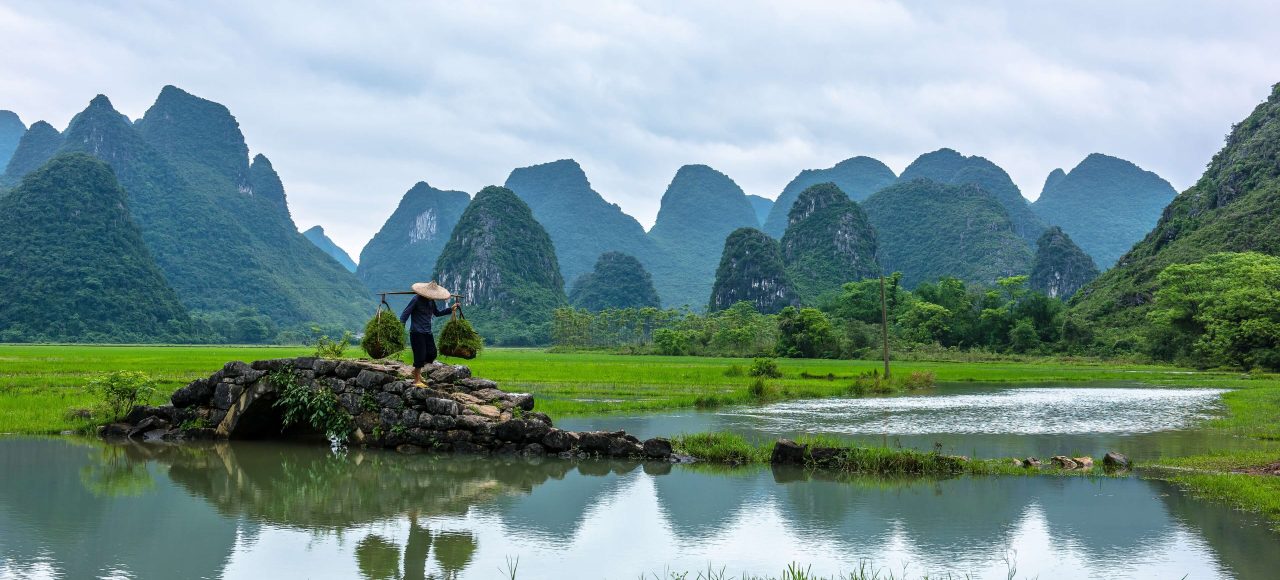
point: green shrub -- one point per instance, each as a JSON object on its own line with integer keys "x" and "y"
{"x": 765, "y": 367}
{"x": 383, "y": 335}
{"x": 734, "y": 371}
{"x": 918, "y": 380}
{"x": 316, "y": 407}
{"x": 118, "y": 392}
{"x": 761, "y": 391}
{"x": 327, "y": 347}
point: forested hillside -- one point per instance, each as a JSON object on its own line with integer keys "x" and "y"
{"x": 859, "y": 177}
{"x": 617, "y": 281}
{"x": 405, "y": 250}
{"x": 503, "y": 261}
{"x": 828, "y": 242}
{"x": 950, "y": 167}
{"x": 927, "y": 230}
{"x": 317, "y": 237}
{"x": 1106, "y": 205}
{"x": 11, "y": 131}
{"x": 1060, "y": 267}
{"x": 581, "y": 223}
{"x": 751, "y": 270}
{"x": 1234, "y": 207}
{"x": 699, "y": 209}
{"x": 73, "y": 265}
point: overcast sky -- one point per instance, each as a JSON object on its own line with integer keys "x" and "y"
{"x": 354, "y": 102}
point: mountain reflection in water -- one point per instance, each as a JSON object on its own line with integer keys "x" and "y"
{"x": 78, "y": 509}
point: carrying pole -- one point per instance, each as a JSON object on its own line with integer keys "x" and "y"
{"x": 884, "y": 328}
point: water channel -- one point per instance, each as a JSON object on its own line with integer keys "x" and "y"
{"x": 79, "y": 508}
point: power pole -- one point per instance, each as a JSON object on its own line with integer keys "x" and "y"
{"x": 884, "y": 327}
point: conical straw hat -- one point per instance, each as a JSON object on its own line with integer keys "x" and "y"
{"x": 431, "y": 290}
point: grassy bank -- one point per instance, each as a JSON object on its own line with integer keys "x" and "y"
{"x": 39, "y": 385}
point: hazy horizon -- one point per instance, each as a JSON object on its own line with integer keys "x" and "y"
{"x": 355, "y": 104}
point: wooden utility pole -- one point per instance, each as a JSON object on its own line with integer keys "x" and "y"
{"x": 884, "y": 327}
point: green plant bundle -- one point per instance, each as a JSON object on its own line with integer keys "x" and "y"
{"x": 383, "y": 334}
{"x": 459, "y": 339}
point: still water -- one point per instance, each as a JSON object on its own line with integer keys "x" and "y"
{"x": 975, "y": 419}
{"x": 74, "y": 508}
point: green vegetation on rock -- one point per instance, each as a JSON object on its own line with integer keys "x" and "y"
{"x": 859, "y": 177}
{"x": 927, "y": 230}
{"x": 699, "y": 209}
{"x": 74, "y": 267}
{"x": 501, "y": 259}
{"x": 1234, "y": 207}
{"x": 405, "y": 250}
{"x": 950, "y": 167}
{"x": 580, "y": 222}
{"x": 828, "y": 242}
{"x": 1106, "y": 205}
{"x": 751, "y": 270}
{"x": 618, "y": 281}
{"x": 317, "y": 237}
{"x": 1060, "y": 267}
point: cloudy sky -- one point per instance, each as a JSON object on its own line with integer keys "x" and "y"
{"x": 357, "y": 101}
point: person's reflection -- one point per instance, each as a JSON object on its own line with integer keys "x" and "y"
{"x": 416, "y": 549}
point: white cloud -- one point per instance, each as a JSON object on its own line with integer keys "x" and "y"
{"x": 355, "y": 103}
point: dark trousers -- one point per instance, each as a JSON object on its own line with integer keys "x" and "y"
{"x": 424, "y": 348}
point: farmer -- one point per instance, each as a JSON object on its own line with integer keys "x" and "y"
{"x": 422, "y": 307}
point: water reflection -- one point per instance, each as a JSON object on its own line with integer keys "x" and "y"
{"x": 977, "y": 419}
{"x": 82, "y": 509}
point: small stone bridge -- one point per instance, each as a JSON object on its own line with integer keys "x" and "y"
{"x": 455, "y": 412}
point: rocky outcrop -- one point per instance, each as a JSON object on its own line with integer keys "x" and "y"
{"x": 455, "y": 412}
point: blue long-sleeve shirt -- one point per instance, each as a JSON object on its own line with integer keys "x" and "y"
{"x": 422, "y": 310}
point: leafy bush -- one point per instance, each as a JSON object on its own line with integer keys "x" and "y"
{"x": 734, "y": 371}
{"x": 672, "y": 342}
{"x": 383, "y": 335}
{"x": 329, "y": 348}
{"x": 765, "y": 367}
{"x": 118, "y": 392}
{"x": 316, "y": 407}
{"x": 806, "y": 333}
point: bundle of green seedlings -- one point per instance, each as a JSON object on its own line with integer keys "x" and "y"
{"x": 459, "y": 339}
{"x": 383, "y": 334}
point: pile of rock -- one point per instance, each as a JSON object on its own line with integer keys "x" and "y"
{"x": 1112, "y": 462}
{"x": 455, "y": 412}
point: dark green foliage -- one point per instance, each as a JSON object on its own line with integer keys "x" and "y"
{"x": 1234, "y": 207}
{"x": 765, "y": 367}
{"x": 1052, "y": 180}
{"x": 1060, "y": 267}
{"x": 405, "y": 250}
{"x": 950, "y": 167}
{"x": 927, "y": 230}
{"x": 828, "y": 242}
{"x": 618, "y": 281}
{"x": 859, "y": 177}
{"x": 119, "y": 391}
{"x": 762, "y": 205}
{"x": 751, "y": 271}
{"x": 502, "y": 260}
{"x": 383, "y": 335}
{"x": 317, "y": 408}
{"x": 1106, "y": 205}
{"x": 317, "y": 237}
{"x": 582, "y": 225}
{"x": 220, "y": 247}
{"x": 806, "y": 333}
{"x": 266, "y": 184}
{"x": 1222, "y": 311}
{"x": 737, "y": 331}
{"x": 700, "y": 207}
{"x": 459, "y": 339}
{"x": 73, "y": 265}
{"x": 37, "y": 146}
{"x": 11, "y": 131}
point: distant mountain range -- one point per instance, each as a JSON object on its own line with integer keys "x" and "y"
{"x": 217, "y": 226}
